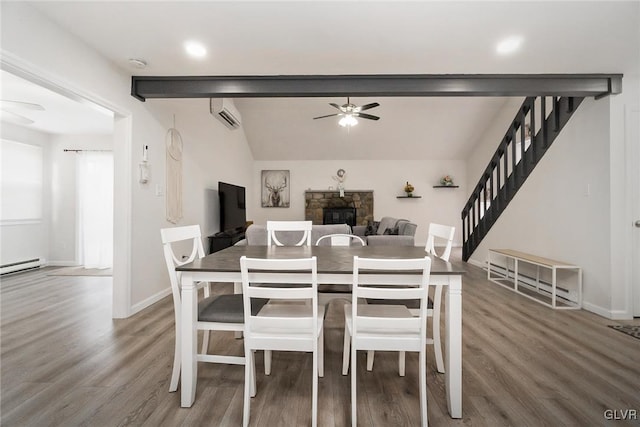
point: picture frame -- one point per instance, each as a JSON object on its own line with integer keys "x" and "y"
{"x": 275, "y": 188}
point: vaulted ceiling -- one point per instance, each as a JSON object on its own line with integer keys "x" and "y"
{"x": 348, "y": 37}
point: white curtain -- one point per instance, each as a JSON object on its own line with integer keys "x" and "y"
{"x": 95, "y": 208}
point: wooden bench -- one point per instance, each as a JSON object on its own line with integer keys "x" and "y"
{"x": 511, "y": 279}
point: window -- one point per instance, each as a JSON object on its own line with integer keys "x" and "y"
{"x": 20, "y": 181}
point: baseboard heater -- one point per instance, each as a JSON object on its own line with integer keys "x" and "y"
{"x": 14, "y": 267}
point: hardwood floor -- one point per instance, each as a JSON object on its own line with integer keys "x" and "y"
{"x": 65, "y": 362}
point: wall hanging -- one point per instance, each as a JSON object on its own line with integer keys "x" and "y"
{"x": 275, "y": 189}
{"x": 174, "y": 174}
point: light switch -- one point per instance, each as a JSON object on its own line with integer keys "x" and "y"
{"x": 159, "y": 190}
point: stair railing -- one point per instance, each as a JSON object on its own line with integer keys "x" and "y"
{"x": 536, "y": 125}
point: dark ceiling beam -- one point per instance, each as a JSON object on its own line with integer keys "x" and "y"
{"x": 397, "y": 85}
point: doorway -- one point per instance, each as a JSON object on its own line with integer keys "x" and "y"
{"x": 121, "y": 144}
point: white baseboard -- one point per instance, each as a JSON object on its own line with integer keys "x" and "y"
{"x": 608, "y": 314}
{"x": 149, "y": 301}
{"x": 477, "y": 263}
{"x": 62, "y": 264}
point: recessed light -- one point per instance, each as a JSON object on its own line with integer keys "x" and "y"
{"x": 137, "y": 63}
{"x": 195, "y": 49}
{"x": 509, "y": 45}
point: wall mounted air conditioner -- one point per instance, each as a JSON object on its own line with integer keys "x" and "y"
{"x": 224, "y": 110}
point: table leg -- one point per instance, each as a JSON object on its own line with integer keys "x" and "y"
{"x": 189, "y": 340}
{"x": 453, "y": 343}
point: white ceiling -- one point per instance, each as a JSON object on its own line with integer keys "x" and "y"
{"x": 61, "y": 115}
{"x": 355, "y": 37}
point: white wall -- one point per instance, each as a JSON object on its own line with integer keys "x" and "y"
{"x": 386, "y": 179}
{"x": 19, "y": 242}
{"x": 37, "y": 47}
{"x": 211, "y": 153}
{"x": 63, "y": 227}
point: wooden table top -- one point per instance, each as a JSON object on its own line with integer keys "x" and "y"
{"x": 332, "y": 260}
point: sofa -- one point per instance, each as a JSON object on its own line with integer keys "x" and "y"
{"x": 256, "y": 235}
{"x": 388, "y": 231}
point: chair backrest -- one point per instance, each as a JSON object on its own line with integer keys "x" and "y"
{"x": 180, "y": 236}
{"x": 387, "y": 288}
{"x": 298, "y": 319}
{"x": 439, "y": 231}
{"x": 289, "y": 227}
{"x": 340, "y": 239}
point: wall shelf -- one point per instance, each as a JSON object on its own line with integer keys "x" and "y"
{"x": 446, "y": 186}
{"x": 407, "y": 197}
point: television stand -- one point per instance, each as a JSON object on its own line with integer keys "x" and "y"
{"x": 220, "y": 241}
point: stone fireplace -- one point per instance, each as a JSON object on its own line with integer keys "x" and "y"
{"x": 316, "y": 202}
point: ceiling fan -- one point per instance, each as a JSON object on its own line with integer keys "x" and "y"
{"x": 350, "y": 111}
{"x": 10, "y": 111}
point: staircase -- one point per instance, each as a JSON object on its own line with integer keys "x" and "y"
{"x": 536, "y": 125}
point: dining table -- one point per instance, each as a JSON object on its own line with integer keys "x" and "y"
{"x": 334, "y": 266}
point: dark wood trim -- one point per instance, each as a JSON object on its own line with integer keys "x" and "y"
{"x": 582, "y": 85}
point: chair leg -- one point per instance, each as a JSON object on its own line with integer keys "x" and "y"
{"x": 401, "y": 363}
{"x": 354, "y": 408}
{"x": 237, "y": 289}
{"x": 248, "y": 374}
{"x": 370, "y": 354}
{"x": 437, "y": 347}
{"x": 321, "y": 354}
{"x": 267, "y": 362}
{"x": 205, "y": 342}
{"x": 175, "y": 373}
{"x": 423, "y": 386}
{"x": 345, "y": 350}
{"x": 435, "y": 323}
{"x": 314, "y": 388}
{"x": 252, "y": 361}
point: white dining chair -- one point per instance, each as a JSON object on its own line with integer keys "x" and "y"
{"x": 387, "y": 327}
{"x": 288, "y": 227}
{"x": 289, "y": 232}
{"x": 328, "y": 292}
{"x": 281, "y": 326}
{"x": 442, "y": 234}
{"x": 215, "y": 313}
{"x": 340, "y": 239}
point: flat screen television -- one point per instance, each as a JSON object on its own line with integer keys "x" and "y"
{"x": 233, "y": 212}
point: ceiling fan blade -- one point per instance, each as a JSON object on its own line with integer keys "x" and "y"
{"x": 368, "y": 106}
{"x": 366, "y": 116}
{"x": 328, "y": 115}
{"x": 18, "y": 104}
{"x": 336, "y": 106}
{"x": 14, "y": 118}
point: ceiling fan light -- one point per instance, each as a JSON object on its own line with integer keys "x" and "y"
{"x": 348, "y": 121}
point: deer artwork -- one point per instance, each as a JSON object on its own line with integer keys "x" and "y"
{"x": 275, "y": 184}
